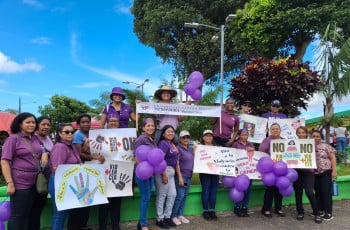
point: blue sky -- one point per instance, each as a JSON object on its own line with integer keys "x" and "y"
{"x": 77, "y": 49}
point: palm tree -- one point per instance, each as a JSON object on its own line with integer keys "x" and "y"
{"x": 334, "y": 63}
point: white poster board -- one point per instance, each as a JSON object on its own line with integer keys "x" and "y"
{"x": 256, "y": 127}
{"x": 288, "y": 126}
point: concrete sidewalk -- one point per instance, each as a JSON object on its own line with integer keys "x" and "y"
{"x": 227, "y": 220}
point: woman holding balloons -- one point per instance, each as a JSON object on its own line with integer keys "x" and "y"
{"x": 306, "y": 181}
{"x": 143, "y": 144}
{"x": 271, "y": 192}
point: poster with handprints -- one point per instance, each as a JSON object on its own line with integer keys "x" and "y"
{"x": 226, "y": 161}
{"x": 256, "y": 127}
{"x": 116, "y": 144}
{"x": 79, "y": 186}
{"x": 119, "y": 176}
{"x": 288, "y": 126}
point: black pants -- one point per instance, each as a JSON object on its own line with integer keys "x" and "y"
{"x": 21, "y": 203}
{"x": 113, "y": 209}
{"x": 78, "y": 218}
{"x": 306, "y": 181}
{"x": 271, "y": 192}
{"x": 323, "y": 189}
{"x": 35, "y": 213}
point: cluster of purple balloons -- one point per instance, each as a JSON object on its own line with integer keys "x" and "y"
{"x": 237, "y": 186}
{"x": 195, "y": 81}
{"x": 5, "y": 212}
{"x": 151, "y": 161}
{"x": 277, "y": 174}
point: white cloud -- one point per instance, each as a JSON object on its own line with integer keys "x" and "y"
{"x": 41, "y": 41}
{"x": 121, "y": 7}
{"x": 34, "y": 3}
{"x": 92, "y": 85}
{"x": 9, "y": 66}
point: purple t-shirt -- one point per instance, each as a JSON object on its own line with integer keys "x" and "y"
{"x": 123, "y": 115}
{"x": 171, "y": 154}
{"x": 143, "y": 139}
{"x": 23, "y": 167}
{"x": 265, "y": 145}
{"x": 186, "y": 161}
{"x": 228, "y": 122}
{"x": 165, "y": 119}
{"x": 239, "y": 145}
{"x": 64, "y": 153}
{"x": 274, "y": 115}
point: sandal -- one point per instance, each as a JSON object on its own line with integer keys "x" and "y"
{"x": 300, "y": 216}
{"x": 280, "y": 213}
{"x": 266, "y": 213}
{"x": 318, "y": 219}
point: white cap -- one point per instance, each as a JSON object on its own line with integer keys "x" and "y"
{"x": 184, "y": 133}
{"x": 207, "y": 131}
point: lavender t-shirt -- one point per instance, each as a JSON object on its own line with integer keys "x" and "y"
{"x": 274, "y": 115}
{"x": 123, "y": 115}
{"x": 186, "y": 161}
{"x": 23, "y": 167}
{"x": 64, "y": 153}
{"x": 228, "y": 122}
{"x": 171, "y": 154}
{"x": 239, "y": 145}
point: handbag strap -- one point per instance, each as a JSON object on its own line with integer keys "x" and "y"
{"x": 33, "y": 153}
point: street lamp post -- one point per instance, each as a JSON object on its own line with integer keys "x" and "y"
{"x": 138, "y": 85}
{"x": 195, "y": 25}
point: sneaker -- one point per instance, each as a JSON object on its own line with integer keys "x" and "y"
{"x": 212, "y": 215}
{"x": 237, "y": 211}
{"x": 162, "y": 224}
{"x": 318, "y": 219}
{"x": 244, "y": 212}
{"x": 183, "y": 220}
{"x": 327, "y": 216}
{"x": 170, "y": 222}
{"x": 176, "y": 221}
{"x": 206, "y": 215}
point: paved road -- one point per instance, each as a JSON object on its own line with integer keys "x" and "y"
{"x": 227, "y": 220}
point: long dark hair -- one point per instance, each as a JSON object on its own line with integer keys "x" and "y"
{"x": 163, "y": 131}
{"x": 16, "y": 123}
{"x": 40, "y": 119}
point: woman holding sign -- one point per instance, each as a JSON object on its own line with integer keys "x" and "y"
{"x": 325, "y": 172}
{"x": 271, "y": 192}
{"x": 63, "y": 152}
{"x": 306, "y": 181}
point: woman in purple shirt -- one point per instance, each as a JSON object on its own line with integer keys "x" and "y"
{"x": 241, "y": 208}
{"x": 165, "y": 182}
{"x": 121, "y": 110}
{"x": 183, "y": 181}
{"x": 63, "y": 152}
{"x": 20, "y": 168}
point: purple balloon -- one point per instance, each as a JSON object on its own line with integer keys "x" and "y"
{"x": 287, "y": 192}
{"x": 282, "y": 182}
{"x": 280, "y": 168}
{"x": 292, "y": 175}
{"x": 190, "y": 89}
{"x": 242, "y": 182}
{"x": 144, "y": 170}
{"x": 236, "y": 195}
{"x": 265, "y": 165}
{"x": 228, "y": 181}
{"x": 268, "y": 179}
{"x": 155, "y": 156}
{"x": 196, "y": 78}
{"x": 160, "y": 168}
{"x": 142, "y": 151}
{"x": 5, "y": 210}
{"x": 197, "y": 95}
{"x": 2, "y": 225}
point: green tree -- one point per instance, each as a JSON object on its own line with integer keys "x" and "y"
{"x": 65, "y": 109}
{"x": 285, "y": 79}
{"x": 334, "y": 63}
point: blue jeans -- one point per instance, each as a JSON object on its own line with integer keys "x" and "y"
{"x": 341, "y": 143}
{"x": 245, "y": 202}
{"x": 210, "y": 185}
{"x": 58, "y": 217}
{"x": 145, "y": 188}
{"x": 21, "y": 203}
{"x": 181, "y": 194}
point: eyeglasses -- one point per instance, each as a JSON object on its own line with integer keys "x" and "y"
{"x": 186, "y": 137}
{"x": 248, "y": 105}
{"x": 277, "y": 106}
{"x": 68, "y": 132}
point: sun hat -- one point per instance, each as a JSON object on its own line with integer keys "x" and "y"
{"x": 117, "y": 90}
{"x": 158, "y": 93}
{"x": 276, "y": 102}
{"x": 207, "y": 131}
{"x": 184, "y": 133}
